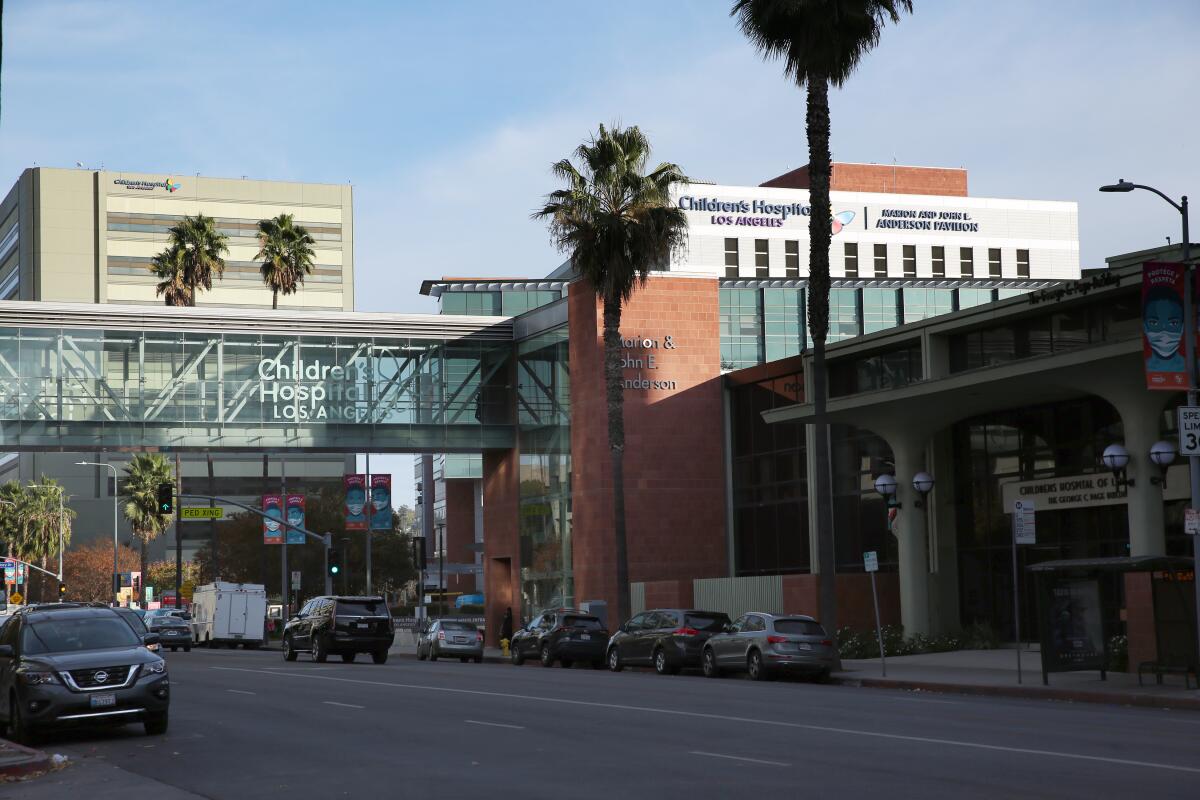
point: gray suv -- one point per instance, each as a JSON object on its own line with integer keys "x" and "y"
{"x": 69, "y": 664}
{"x": 765, "y": 645}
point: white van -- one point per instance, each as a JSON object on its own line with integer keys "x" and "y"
{"x": 229, "y": 614}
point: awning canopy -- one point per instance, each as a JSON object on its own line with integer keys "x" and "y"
{"x": 1115, "y": 564}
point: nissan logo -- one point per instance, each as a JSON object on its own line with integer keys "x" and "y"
{"x": 100, "y": 676}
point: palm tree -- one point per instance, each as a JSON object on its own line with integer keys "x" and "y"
{"x": 142, "y": 477}
{"x": 820, "y": 42}
{"x": 286, "y": 251}
{"x": 191, "y": 259}
{"x": 616, "y": 221}
{"x": 46, "y": 523}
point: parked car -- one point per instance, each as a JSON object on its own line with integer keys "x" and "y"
{"x": 563, "y": 635}
{"x": 451, "y": 638}
{"x": 136, "y": 622}
{"x": 173, "y": 632}
{"x": 342, "y": 626}
{"x": 669, "y": 639}
{"x": 766, "y": 644}
{"x": 63, "y": 664}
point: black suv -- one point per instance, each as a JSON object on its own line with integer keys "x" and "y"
{"x": 342, "y": 625}
{"x": 666, "y": 638}
{"x": 563, "y": 635}
{"x": 69, "y": 664}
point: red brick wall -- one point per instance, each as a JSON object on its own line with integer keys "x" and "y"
{"x": 502, "y": 552}
{"x": 670, "y": 594}
{"x": 854, "y": 605}
{"x": 674, "y": 459}
{"x": 1139, "y": 619}
{"x": 882, "y": 178}
{"x": 460, "y": 520}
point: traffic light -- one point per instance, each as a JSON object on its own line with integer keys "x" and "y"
{"x": 166, "y": 498}
{"x": 418, "y": 552}
{"x": 62, "y": 592}
{"x": 335, "y": 561}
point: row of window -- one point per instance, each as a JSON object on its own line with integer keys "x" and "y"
{"x": 879, "y": 260}
{"x": 245, "y": 228}
{"x": 496, "y": 304}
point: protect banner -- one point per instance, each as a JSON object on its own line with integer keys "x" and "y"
{"x": 273, "y": 508}
{"x": 356, "y": 502}
{"x": 1164, "y": 347}
{"x": 295, "y": 516}
{"x": 381, "y": 502}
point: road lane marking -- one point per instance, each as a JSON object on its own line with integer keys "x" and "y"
{"x": 740, "y": 758}
{"x": 495, "y": 724}
{"x": 343, "y": 705}
{"x": 239, "y": 691}
{"x": 747, "y": 720}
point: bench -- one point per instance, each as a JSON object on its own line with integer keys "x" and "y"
{"x": 1160, "y": 669}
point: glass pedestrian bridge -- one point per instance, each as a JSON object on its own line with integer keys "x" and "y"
{"x": 80, "y": 377}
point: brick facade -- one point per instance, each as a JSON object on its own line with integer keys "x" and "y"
{"x": 502, "y": 551}
{"x": 460, "y": 520}
{"x": 855, "y": 608}
{"x": 882, "y": 178}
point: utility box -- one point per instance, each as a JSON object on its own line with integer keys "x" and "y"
{"x": 597, "y": 608}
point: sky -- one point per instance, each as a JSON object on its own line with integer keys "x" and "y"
{"x": 445, "y": 117}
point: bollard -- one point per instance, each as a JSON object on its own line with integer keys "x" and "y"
{"x": 504, "y": 648}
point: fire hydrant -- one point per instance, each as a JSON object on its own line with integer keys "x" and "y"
{"x": 504, "y": 648}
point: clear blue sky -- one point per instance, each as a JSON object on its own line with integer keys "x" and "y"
{"x": 446, "y": 116}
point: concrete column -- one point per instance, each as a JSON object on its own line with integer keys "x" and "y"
{"x": 1147, "y": 528}
{"x": 943, "y": 595}
{"x": 912, "y": 522}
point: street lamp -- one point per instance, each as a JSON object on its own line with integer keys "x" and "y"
{"x": 923, "y": 483}
{"x": 1189, "y": 317}
{"x": 886, "y": 485}
{"x": 1116, "y": 458}
{"x": 115, "y": 546}
{"x": 1163, "y": 455}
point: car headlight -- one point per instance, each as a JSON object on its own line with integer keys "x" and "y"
{"x": 35, "y": 678}
{"x": 156, "y": 667}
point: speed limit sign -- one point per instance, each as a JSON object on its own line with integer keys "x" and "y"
{"x": 1189, "y": 430}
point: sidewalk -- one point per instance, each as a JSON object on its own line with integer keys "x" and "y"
{"x": 994, "y": 672}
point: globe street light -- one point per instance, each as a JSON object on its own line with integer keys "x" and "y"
{"x": 923, "y": 483}
{"x": 1163, "y": 455}
{"x": 1116, "y": 458}
{"x": 886, "y": 485}
{"x": 115, "y": 584}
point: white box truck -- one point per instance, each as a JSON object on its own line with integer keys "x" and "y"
{"x": 229, "y": 614}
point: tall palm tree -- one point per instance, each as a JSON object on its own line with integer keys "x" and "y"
{"x": 616, "y": 221}
{"x": 820, "y": 43}
{"x": 194, "y": 254}
{"x": 286, "y": 252}
{"x": 142, "y": 477}
{"x": 47, "y": 523}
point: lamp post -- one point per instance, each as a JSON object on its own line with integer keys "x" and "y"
{"x": 116, "y": 569}
{"x": 1189, "y": 321}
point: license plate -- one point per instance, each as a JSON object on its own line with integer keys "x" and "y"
{"x": 803, "y": 646}
{"x": 460, "y": 638}
{"x": 172, "y": 633}
{"x": 362, "y": 624}
{"x": 587, "y": 637}
{"x": 103, "y": 700}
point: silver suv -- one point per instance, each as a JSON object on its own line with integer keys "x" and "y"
{"x": 764, "y": 645}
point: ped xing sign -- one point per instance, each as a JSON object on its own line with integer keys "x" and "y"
{"x": 201, "y": 513}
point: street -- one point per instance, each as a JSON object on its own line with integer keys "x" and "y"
{"x": 247, "y": 724}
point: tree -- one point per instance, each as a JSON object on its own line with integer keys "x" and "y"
{"x": 30, "y": 520}
{"x": 87, "y": 570}
{"x": 820, "y": 42}
{"x": 142, "y": 477}
{"x": 192, "y": 257}
{"x": 161, "y": 574}
{"x": 286, "y": 252}
{"x": 617, "y": 223}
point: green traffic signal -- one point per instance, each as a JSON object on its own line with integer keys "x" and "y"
{"x": 166, "y": 498}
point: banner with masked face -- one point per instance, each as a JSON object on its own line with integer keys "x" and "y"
{"x": 381, "y": 502}
{"x": 1164, "y": 347}
{"x": 356, "y": 502}
{"x": 273, "y": 508}
{"x": 295, "y": 516}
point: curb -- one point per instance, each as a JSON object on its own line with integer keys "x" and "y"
{"x": 34, "y": 761}
{"x": 1029, "y": 692}
{"x": 487, "y": 659}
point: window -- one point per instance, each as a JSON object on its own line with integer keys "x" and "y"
{"x": 881, "y": 260}
{"x": 791, "y": 258}
{"x": 754, "y": 624}
{"x": 993, "y": 262}
{"x": 851, "y": 259}
{"x": 966, "y": 262}
{"x": 731, "y": 258}
{"x": 1022, "y": 263}
{"x": 939, "y": 262}
{"x": 844, "y": 318}
{"x": 637, "y": 623}
{"x": 589, "y": 623}
{"x": 910, "y": 261}
{"x": 75, "y": 634}
{"x": 924, "y": 303}
{"x": 798, "y": 627}
{"x": 710, "y": 623}
{"x": 880, "y": 309}
{"x": 762, "y": 258}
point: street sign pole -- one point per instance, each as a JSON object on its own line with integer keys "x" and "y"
{"x": 1024, "y": 531}
{"x": 328, "y": 577}
{"x": 871, "y": 565}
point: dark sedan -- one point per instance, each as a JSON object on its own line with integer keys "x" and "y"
{"x": 563, "y": 636}
{"x": 668, "y": 639}
{"x": 173, "y": 632}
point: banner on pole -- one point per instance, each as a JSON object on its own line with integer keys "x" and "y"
{"x": 381, "y": 502}
{"x": 295, "y": 515}
{"x": 1164, "y": 347}
{"x": 356, "y": 502}
{"x": 273, "y": 508}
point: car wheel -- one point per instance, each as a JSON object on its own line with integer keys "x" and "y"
{"x": 347, "y": 658}
{"x": 756, "y": 669}
{"x": 478, "y": 659}
{"x": 565, "y": 663}
{"x": 288, "y": 653}
{"x": 379, "y": 656}
{"x": 515, "y": 656}
{"x": 547, "y": 659}
{"x": 598, "y": 664}
{"x": 156, "y": 724}
{"x": 319, "y": 653}
{"x": 187, "y": 648}
{"x": 420, "y": 653}
{"x": 614, "y": 660}
{"x": 708, "y": 664}
{"x": 18, "y": 730}
{"x": 661, "y": 665}
{"x": 433, "y": 653}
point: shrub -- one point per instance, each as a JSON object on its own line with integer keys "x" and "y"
{"x": 864, "y": 644}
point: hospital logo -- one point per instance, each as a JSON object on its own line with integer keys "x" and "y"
{"x": 840, "y": 221}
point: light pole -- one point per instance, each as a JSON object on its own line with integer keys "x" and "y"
{"x": 1189, "y": 321}
{"x": 115, "y": 548}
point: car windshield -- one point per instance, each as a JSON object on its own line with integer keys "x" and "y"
{"x": 167, "y": 622}
{"x": 710, "y": 623}
{"x": 798, "y": 627}
{"x": 75, "y": 634}
{"x": 361, "y": 608}
{"x": 591, "y": 623}
{"x": 134, "y": 620}
{"x": 458, "y": 626}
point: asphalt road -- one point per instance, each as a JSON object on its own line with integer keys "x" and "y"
{"x": 247, "y": 724}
